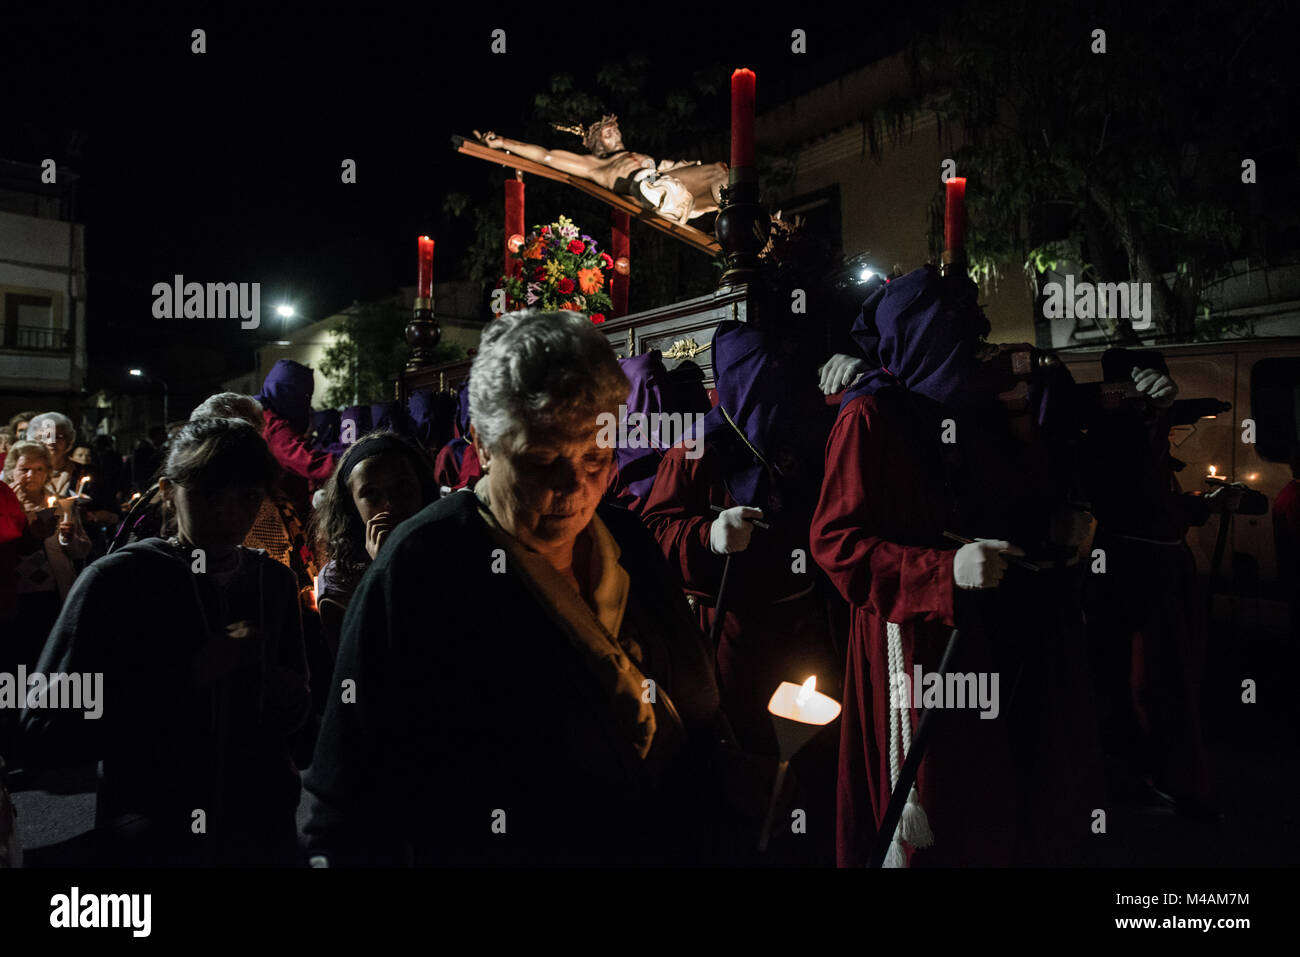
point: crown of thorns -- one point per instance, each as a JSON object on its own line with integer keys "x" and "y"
{"x": 591, "y": 135}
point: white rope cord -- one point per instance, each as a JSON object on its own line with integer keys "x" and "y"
{"x": 913, "y": 826}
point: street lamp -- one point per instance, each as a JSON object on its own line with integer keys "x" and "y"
{"x": 148, "y": 378}
{"x": 285, "y": 311}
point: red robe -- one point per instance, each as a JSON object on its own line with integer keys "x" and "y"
{"x": 454, "y": 476}
{"x": 305, "y": 468}
{"x": 618, "y": 493}
{"x": 774, "y": 629}
{"x": 881, "y": 513}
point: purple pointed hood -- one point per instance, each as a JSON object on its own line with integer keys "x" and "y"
{"x": 389, "y": 415}
{"x": 287, "y": 392}
{"x": 419, "y": 405}
{"x": 460, "y": 442}
{"x": 650, "y": 392}
{"x": 754, "y": 390}
{"x": 924, "y": 334}
{"x": 359, "y": 416}
{"x": 325, "y": 423}
{"x": 462, "y": 410}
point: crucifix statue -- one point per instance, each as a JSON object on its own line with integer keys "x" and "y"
{"x": 677, "y": 191}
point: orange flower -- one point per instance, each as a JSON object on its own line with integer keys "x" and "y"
{"x": 590, "y": 280}
{"x": 572, "y": 306}
{"x": 534, "y": 251}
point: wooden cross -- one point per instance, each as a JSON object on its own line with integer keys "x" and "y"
{"x": 687, "y": 234}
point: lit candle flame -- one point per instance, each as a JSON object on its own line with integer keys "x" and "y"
{"x": 50, "y": 502}
{"x": 1214, "y": 472}
{"x": 806, "y": 692}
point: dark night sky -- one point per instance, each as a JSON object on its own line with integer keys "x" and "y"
{"x": 225, "y": 167}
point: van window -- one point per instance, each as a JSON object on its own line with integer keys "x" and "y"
{"x": 1275, "y": 407}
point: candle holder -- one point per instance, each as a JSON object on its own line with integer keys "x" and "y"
{"x": 422, "y": 335}
{"x": 953, "y": 262}
{"x": 742, "y": 227}
{"x": 798, "y": 714}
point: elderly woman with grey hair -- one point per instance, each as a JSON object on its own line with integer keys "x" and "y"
{"x": 57, "y": 433}
{"x": 519, "y": 681}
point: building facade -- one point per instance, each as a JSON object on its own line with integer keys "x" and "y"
{"x": 42, "y": 293}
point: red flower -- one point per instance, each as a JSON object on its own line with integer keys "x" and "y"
{"x": 546, "y": 229}
{"x": 539, "y": 274}
{"x": 597, "y": 317}
{"x": 576, "y": 246}
{"x": 519, "y": 269}
{"x": 606, "y": 261}
{"x": 565, "y": 285}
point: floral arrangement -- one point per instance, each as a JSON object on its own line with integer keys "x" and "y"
{"x": 559, "y": 267}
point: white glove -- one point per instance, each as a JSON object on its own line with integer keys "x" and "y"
{"x": 981, "y": 563}
{"x": 839, "y": 371}
{"x": 1156, "y": 386}
{"x": 731, "y": 530}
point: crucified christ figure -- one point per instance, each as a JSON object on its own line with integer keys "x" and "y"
{"x": 677, "y": 191}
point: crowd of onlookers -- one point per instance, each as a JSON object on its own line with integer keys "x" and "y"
{"x": 263, "y": 472}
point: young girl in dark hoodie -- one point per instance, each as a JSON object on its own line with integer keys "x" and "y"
{"x": 204, "y": 675}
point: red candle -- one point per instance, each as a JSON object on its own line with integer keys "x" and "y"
{"x": 954, "y": 215}
{"x": 424, "y": 288}
{"x": 742, "y": 118}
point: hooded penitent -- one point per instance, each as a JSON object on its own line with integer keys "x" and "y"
{"x": 389, "y": 415}
{"x": 459, "y": 444}
{"x": 924, "y": 330}
{"x": 757, "y": 406}
{"x": 359, "y": 418}
{"x": 650, "y": 393}
{"x": 325, "y": 425}
{"x": 419, "y": 406}
{"x": 287, "y": 392}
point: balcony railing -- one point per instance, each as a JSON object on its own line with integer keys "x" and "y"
{"x": 38, "y": 338}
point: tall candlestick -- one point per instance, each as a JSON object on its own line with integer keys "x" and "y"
{"x": 424, "y": 288}
{"x": 742, "y": 118}
{"x": 422, "y": 332}
{"x": 954, "y": 215}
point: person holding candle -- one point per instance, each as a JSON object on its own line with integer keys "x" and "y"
{"x": 19, "y": 537}
{"x": 44, "y": 575}
{"x": 202, "y": 694}
{"x": 932, "y": 443}
{"x": 760, "y": 459}
{"x": 558, "y": 706}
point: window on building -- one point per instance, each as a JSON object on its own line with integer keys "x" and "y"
{"x": 33, "y": 321}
